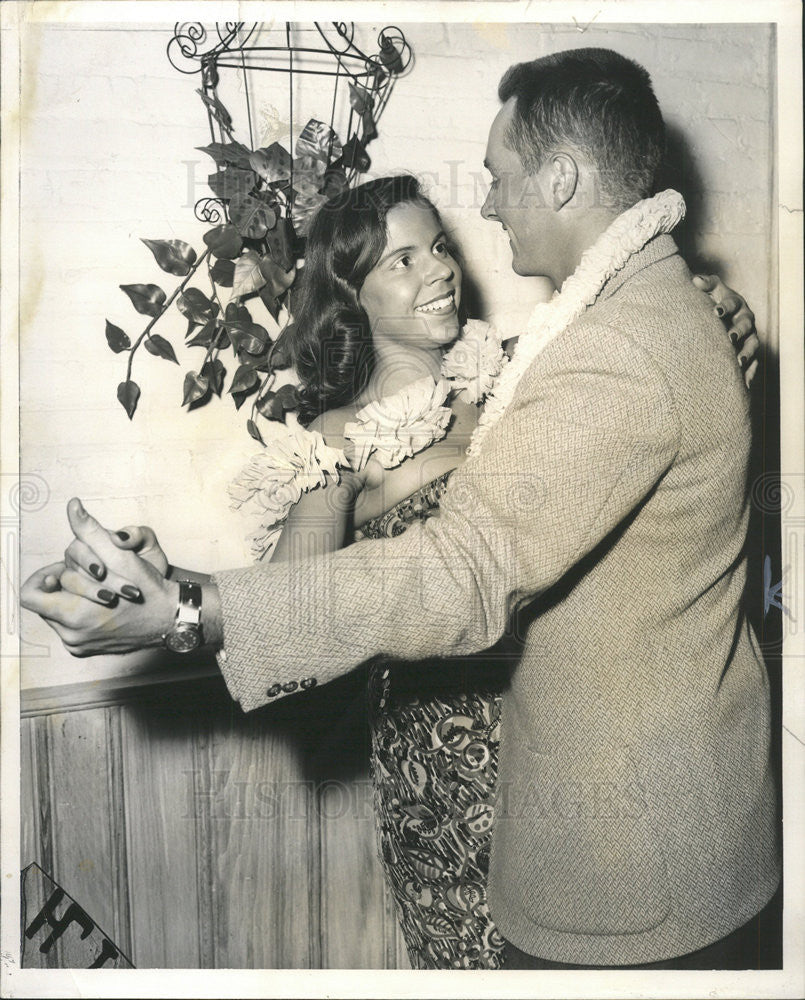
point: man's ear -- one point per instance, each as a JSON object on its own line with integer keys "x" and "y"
{"x": 564, "y": 179}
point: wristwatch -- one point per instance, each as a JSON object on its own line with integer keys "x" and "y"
{"x": 185, "y": 636}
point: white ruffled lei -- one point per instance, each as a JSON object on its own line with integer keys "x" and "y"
{"x": 276, "y": 477}
{"x": 396, "y": 427}
{"x": 474, "y": 361}
{"x": 390, "y": 429}
{"x": 627, "y": 235}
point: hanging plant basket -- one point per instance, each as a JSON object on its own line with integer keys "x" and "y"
{"x": 262, "y": 203}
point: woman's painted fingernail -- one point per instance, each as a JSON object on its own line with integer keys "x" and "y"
{"x": 719, "y": 311}
{"x": 733, "y": 336}
{"x": 123, "y": 535}
{"x": 106, "y": 596}
{"x": 96, "y": 571}
{"x": 743, "y": 362}
{"x": 131, "y": 592}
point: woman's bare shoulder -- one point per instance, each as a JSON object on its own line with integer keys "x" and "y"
{"x": 331, "y": 424}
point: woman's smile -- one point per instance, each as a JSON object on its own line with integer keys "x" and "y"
{"x": 443, "y": 305}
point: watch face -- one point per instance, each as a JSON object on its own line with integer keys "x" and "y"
{"x": 183, "y": 639}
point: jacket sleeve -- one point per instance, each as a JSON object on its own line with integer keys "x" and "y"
{"x": 589, "y": 433}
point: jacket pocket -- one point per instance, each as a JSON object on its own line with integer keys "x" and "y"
{"x": 582, "y": 851}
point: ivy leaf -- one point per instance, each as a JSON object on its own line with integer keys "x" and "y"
{"x": 174, "y": 256}
{"x": 244, "y": 333}
{"x": 271, "y": 302}
{"x": 278, "y": 280}
{"x": 319, "y": 141}
{"x": 335, "y": 183}
{"x": 308, "y": 174}
{"x": 245, "y": 378}
{"x": 273, "y": 405}
{"x": 360, "y": 98}
{"x": 272, "y": 163}
{"x": 251, "y": 216}
{"x": 369, "y": 129}
{"x": 267, "y": 406}
{"x": 195, "y": 305}
{"x": 223, "y": 273}
{"x": 391, "y": 57}
{"x": 214, "y": 372}
{"x": 160, "y": 347}
{"x": 281, "y": 352}
{"x": 275, "y": 283}
{"x": 355, "y": 156}
{"x": 251, "y": 427}
{"x": 226, "y": 184}
{"x": 249, "y": 276}
{"x": 128, "y": 393}
{"x": 280, "y": 243}
{"x": 252, "y": 339}
{"x": 239, "y": 398}
{"x": 224, "y": 241}
{"x": 146, "y": 299}
{"x": 217, "y": 110}
{"x": 195, "y": 388}
{"x": 116, "y": 338}
{"x": 205, "y": 335}
{"x": 233, "y": 153}
{"x": 304, "y": 208}
{"x": 236, "y": 314}
{"x": 288, "y": 396}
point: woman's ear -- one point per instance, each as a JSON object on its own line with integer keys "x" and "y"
{"x": 564, "y": 179}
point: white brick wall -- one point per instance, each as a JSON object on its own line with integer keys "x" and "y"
{"x": 109, "y": 126}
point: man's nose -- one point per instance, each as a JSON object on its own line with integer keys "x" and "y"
{"x": 488, "y": 207}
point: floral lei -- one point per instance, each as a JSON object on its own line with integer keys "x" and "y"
{"x": 390, "y": 429}
{"x": 627, "y": 235}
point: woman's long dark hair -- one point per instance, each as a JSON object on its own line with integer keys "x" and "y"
{"x": 331, "y": 341}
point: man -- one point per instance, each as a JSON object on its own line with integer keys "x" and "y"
{"x": 601, "y": 522}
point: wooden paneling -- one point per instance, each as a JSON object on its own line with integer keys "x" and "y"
{"x": 29, "y": 796}
{"x": 88, "y": 821}
{"x": 353, "y": 891}
{"x": 200, "y": 837}
{"x": 262, "y": 856}
{"x": 158, "y": 765}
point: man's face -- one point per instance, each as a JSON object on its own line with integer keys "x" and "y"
{"x": 519, "y": 202}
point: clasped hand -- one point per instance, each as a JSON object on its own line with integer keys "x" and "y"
{"x": 110, "y": 594}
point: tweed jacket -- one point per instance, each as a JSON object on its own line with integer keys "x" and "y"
{"x": 601, "y": 532}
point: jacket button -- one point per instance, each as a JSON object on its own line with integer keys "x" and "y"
{"x": 289, "y": 686}
{"x": 308, "y": 682}
{"x": 274, "y": 690}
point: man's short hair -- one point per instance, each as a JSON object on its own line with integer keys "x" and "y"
{"x": 597, "y": 102}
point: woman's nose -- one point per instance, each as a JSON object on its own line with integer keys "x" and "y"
{"x": 440, "y": 269}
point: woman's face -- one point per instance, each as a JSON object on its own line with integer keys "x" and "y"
{"x": 412, "y": 294}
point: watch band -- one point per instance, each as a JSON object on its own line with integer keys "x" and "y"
{"x": 185, "y": 634}
{"x": 189, "y": 610}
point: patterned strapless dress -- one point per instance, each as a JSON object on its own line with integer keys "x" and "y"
{"x": 434, "y": 732}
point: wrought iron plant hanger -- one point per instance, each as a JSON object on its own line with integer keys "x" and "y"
{"x": 262, "y": 204}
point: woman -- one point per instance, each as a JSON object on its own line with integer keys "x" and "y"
{"x": 387, "y": 380}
